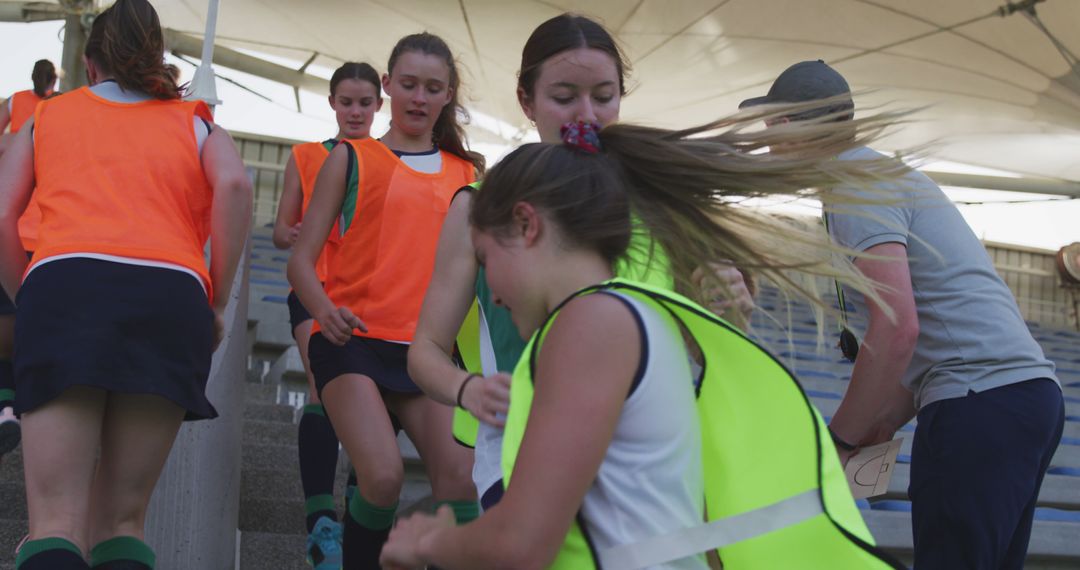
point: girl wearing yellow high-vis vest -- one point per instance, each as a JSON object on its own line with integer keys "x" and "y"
{"x": 620, "y": 451}
{"x": 571, "y": 70}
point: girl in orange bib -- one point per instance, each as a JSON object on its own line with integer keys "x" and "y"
{"x": 15, "y": 112}
{"x": 118, "y": 313}
{"x": 388, "y": 222}
{"x": 355, "y": 97}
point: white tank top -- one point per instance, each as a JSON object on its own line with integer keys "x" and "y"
{"x": 651, "y": 480}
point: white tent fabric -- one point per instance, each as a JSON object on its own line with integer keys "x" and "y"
{"x": 996, "y": 90}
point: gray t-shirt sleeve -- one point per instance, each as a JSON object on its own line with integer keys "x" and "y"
{"x": 862, "y": 226}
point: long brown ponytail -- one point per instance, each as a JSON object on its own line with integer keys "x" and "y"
{"x": 126, "y": 41}
{"x": 43, "y": 76}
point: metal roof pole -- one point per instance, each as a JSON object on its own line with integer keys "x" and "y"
{"x": 204, "y": 84}
{"x": 77, "y": 20}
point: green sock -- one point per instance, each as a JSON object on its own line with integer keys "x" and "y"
{"x": 35, "y": 547}
{"x": 317, "y": 409}
{"x": 319, "y": 503}
{"x": 122, "y": 548}
{"x": 369, "y": 516}
{"x": 464, "y": 511}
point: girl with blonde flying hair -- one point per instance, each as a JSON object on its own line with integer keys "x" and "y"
{"x": 615, "y": 448}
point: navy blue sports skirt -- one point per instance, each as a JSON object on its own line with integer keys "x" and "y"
{"x": 7, "y": 307}
{"x": 382, "y": 361}
{"x": 297, "y": 312}
{"x": 124, "y": 328}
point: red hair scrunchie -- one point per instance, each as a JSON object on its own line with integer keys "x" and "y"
{"x": 582, "y": 135}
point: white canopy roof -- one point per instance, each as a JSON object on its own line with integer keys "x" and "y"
{"x": 997, "y": 91}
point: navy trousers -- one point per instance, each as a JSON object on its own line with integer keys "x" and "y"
{"x": 976, "y": 467}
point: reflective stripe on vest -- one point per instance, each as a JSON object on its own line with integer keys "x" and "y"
{"x": 716, "y": 534}
{"x": 764, "y": 452}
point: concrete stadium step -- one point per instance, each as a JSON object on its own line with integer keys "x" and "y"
{"x": 1053, "y": 545}
{"x": 274, "y": 515}
{"x": 1058, "y": 491}
{"x": 11, "y": 466}
{"x": 260, "y": 393}
{"x": 263, "y": 432}
{"x": 13, "y": 499}
{"x": 271, "y": 457}
{"x": 269, "y": 412}
{"x": 11, "y": 532}
{"x": 263, "y": 550}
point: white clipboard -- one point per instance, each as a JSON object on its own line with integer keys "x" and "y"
{"x": 868, "y": 472}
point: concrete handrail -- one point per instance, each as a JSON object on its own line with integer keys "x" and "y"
{"x": 195, "y": 508}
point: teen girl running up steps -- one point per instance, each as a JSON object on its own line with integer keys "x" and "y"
{"x": 19, "y": 108}
{"x": 388, "y": 218}
{"x": 118, "y": 313}
{"x": 605, "y": 385}
{"x": 355, "y": 97}
{"x": 15, "y": 112}
{"x": 571, "y": 70}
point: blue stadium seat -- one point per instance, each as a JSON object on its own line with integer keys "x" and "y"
{"x": 863, "y": 504}
{"x": 903, "y": 458}
{"x": 1059, "y": 515}
{"x": 1067, "y": 471}
{"x": 272, "y": 282}
{"x": 275, "y": 299}
{"x": 256, "y": 267}
{"x": 280, "y": 259}
{"x": 823, "y": 395}
{"x": 892, "y": 505}
{"x": 816, "y": 374}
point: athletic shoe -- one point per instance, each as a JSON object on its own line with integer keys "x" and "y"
{"x": 10, "y": 431}
{"x": 324, "y": 545}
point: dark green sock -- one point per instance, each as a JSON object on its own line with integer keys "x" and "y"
{"x": 50, "y": 554}
{"x": 122, "y": 553}
{"x": 318, "y": 507}
{"x": 366, "y": 530}
{"x": 370, "y": 516}
{"x": 464, "y": 511}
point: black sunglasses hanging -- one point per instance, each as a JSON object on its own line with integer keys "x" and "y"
{"x": 849, "y": 344}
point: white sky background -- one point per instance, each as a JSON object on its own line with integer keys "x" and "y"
{"x": 1043, "y": 225}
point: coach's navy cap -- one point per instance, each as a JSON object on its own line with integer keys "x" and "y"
{"x": 804, "y": 81}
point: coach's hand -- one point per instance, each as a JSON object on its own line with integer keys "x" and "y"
{"x": 402, "y": 549}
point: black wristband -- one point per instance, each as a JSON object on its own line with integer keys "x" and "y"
{"x": 461, "y": 389}
{"x": 839, "y": 442}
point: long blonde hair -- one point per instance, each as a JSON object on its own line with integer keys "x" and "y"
{"x": 685, "y": 185}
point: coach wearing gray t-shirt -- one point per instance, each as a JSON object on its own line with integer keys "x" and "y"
{"x": 957, "y": 352}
